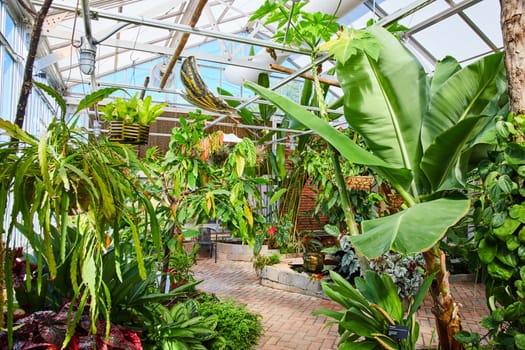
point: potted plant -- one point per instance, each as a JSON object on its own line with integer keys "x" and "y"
{"x": 129, "y": 120}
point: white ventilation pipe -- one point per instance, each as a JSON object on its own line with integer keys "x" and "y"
{"x": 236, "y": 75}
{"x": 329, "y": 6}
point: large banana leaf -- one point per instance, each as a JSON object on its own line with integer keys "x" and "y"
{"x": 385, "y": 100}
{"x": 413, "y": 230}
{"x": 443, "y": 70}
{"x": 472, "y": 91}
{"x": 342, "y": 143}
{"x": 440, "y": 159}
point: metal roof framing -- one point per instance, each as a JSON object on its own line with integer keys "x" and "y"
{"x": 180, "y": 21}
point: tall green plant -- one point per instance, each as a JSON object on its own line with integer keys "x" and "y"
{"x": 397, "y": 123}
{"x": 196, "y": 191}
{"x": 419, "y": 133}
{"x": 300, "y": 28}
{"x": 67, "y": 173}
{"x": 500, "y": 231}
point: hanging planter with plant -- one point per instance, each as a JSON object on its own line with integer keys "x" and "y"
{"x": 129, "y": 120}
{"x": 360, "y": 182}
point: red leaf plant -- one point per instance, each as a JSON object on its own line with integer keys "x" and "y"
{"x": 47, "y": 330}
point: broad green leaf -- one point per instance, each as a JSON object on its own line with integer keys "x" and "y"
{"x": 410, "y": 231}
{"x": 239, "y": 164}
{"x": 443, "y": 70}
{"x": 385, "y": 100}
{"x": 95, "y": 97}
{"x": 248, "y": 215}
{"x": 519, "y": 340}
{"x": 188, "y": 233}
{"x": 280, "y": 158}
{"x": 513, "y": 243}
{"x": 499, "y": 270}
{"x": 515, "y": 154}
{"x": 505, "y": 184}
{"x": 440, "y": 158}
{"x": 382, "y": 291}
{"x": 467, "y": 337}
{"x": 504, "y": 231}
{"x": 359, "y": 325}
{"x": 487, "y": 251}
{"x": 329, "y": 313}
{"x": 507, "y": 257}
{"x": 246, "y": 115}
{"x": 332, "y": 230}
{"x": 342, "y": 143}
{"x": 467, "y": 93}
{"x": 265, "y": 111}
{"x": 349, "y": 42}
{"x": 420, "y": 295}
{"x": 277, "y": 195}
{"x": 306, "y": 94}
{"x": 517, "y": 211}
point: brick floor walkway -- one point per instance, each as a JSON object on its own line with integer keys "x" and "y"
{"x": 287, "y": 317}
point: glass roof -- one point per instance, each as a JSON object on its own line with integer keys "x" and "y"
{"x": 139, "y": 38}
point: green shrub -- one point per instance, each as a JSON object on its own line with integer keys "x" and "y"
{"x": 239, "y": 327}
{"x": 260, "y": 261}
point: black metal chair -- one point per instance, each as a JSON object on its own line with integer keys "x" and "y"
{"x": 205, "y": 239}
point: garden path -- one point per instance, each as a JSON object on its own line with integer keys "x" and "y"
{"x": 287, "y": 317}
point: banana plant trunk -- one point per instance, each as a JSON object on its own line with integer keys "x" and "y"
{"x": 444, "y": 308}
{"x": 512, "y": 24}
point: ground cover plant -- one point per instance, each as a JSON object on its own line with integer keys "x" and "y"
{"x": 239, "y": 327}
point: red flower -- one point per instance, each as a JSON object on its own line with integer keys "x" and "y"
{"x": 271, "y": 231}
{"x": 317, "y": 276}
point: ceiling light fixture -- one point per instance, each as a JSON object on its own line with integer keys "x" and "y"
{"x": 88, "y": 53}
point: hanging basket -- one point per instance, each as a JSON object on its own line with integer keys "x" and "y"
{"x": 135, "y": 134}
{"x": 395, "y": 200}
{"x": 360, "y": 183}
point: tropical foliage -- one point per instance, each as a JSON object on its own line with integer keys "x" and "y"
{"x": 373, "y": 312}
{"x": 416, "y": 130}
{"x": 65, "y": 179}
{"x": 195, "y": 191}
{"x": 499, "y": 217}
{"x": 420, "y": 134}
{"x": 133, "y": 110}
{"x": 239, "y": 327}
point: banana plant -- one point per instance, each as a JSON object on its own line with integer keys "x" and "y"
{"x": 415, "y": 139}
{"x": 419, "y": 133}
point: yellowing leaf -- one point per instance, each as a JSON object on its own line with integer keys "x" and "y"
{"x": 239, "y": 164}
{"x": 248, "y": 214}
{"x": 351, "y": 41}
